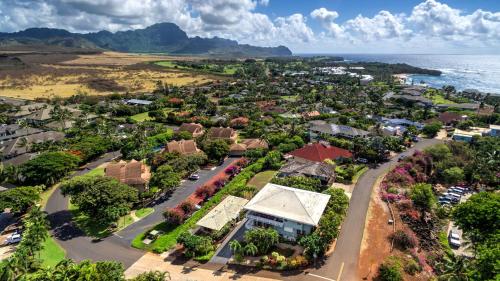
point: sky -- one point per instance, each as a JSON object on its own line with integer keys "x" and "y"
{"x": 305, "y": 26}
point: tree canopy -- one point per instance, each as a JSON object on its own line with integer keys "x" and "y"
{"x": 19, "y": 199}
{"x": 48, "y": 167}
{"x": 102, "y": 198}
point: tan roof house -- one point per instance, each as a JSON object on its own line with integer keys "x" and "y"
{"x": 183, "y": 147}
{"x": 222, "y": 133}
{"x": 133, "y": 173}
{"x": 194, "y": 129}
{"x": 246, "y": 144}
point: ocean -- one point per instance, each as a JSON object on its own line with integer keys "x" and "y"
{"x": 480, "y": 72}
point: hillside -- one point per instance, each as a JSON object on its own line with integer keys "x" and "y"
{"x": 158, "y": 38}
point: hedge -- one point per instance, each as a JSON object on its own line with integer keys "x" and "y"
{"x": 168, "y": 240}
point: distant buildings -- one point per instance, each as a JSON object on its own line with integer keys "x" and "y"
{"x": 196, "y": 130}
{"x": 137, "y": 102}
{"x": 320, "y": 127}
{"x": 462, "y": 135}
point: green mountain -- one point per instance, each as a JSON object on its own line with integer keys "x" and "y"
{"x": 158, "y": 38}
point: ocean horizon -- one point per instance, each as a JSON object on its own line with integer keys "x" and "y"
{"x": 463, "y": 71}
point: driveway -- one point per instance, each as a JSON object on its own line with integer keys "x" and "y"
{"x": 115, "y": 247}
{"x": 343, "y": 263}
{"x": 180, "y": 194}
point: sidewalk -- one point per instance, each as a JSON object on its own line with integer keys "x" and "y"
{"x": 152, "y": 261}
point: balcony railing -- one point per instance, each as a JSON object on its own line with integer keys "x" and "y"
{"x": 264, "y": 220}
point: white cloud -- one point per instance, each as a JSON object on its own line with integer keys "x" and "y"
{"x": 327, "y": 18}
{"x": 383, "y": 25}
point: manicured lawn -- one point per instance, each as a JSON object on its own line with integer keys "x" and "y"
{"x": 144, "y": 212}
{"x": 230, "y": 69}
{"x": 141, "y": 117}
{"x": 52, "y": 253}
{"x": 96, "y": 172}
{"x": 91, "y": 228}
{"x": 88, "y": 225}
{"x": 262, "y": 178}
{"x": 290, "y": 98}
{"x": 438, "y": 99}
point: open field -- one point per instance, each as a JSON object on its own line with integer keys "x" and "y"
{"x": 95, "y": 74}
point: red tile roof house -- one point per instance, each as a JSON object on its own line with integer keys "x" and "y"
{"x": 319, "y": 152}
{"x": 196, "y": 130}
{"x": 133, "y": 173}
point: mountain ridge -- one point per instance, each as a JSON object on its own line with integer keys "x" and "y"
{"x": 157, "y": 38}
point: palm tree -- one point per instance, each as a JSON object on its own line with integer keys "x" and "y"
{"x": 23, "y": 124}
{"x": 250, "y": 249}
{"x": 235, "y": 246}
{"x": 23, "y": 143}
{"x": 455, "y": 268}
{"x": 60, "y": 114}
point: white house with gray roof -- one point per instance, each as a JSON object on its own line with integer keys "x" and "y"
{"x": 292, "y": 212}
{"x": 320, "y": 127}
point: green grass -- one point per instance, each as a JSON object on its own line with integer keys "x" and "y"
{"x": 96, "y": 172}
{"x": 170, "y": 64}
{"x": 141, "y": 117}
{"x": 261, "y": 179}
{"x": 51, "y": 253}
{"x": 290, "y": 98}
{"x": 87, "y": 224}
{"x": 358, "y": 174}
{"x": 144, "y": 212}
{"x": 230, "y": 69}
{"x": 168, "y": 240}
{"x": 443, "y": 240}
{"x": 438, "y": 99}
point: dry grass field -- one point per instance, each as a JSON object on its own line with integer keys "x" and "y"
{"x": 48, "y": 76}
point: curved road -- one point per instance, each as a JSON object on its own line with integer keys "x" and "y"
{"x": 79, "y": 247}
{"x": 343, "y": 263}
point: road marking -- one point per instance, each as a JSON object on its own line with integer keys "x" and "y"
{"x": 117, "y": 235}
{"x": 314, "y": 275}
{"x": 340, "y": 272}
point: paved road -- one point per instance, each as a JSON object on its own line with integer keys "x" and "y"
{"x": 116, "y": 247}
{"x": 346, "y": 254}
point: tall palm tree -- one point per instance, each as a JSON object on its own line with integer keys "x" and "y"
{"x": 60, "y": 114}
{"x": 23, "y": 124}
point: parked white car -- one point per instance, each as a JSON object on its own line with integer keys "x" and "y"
{"x": 13, "y": 239}
{"x": 454, "y": 239}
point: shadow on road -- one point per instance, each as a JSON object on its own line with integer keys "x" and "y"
{"x": 62, "y": 227}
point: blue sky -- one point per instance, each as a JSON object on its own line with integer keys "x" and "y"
{"x": 309, "y": 26}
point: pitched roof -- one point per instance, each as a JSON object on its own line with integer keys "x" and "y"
{"x": 254, "y": 143}
{"x": 220, "y": 132}
{"x": 190, "y": 127}
{"x": 308, "y": 168}
{"x": 319, "y": 152}
{"x": 333, "y": 129}
{"x": 448, "y": 117}
{"x": 223, "y": 213}
{"x": 132, "y": 173}
{"x": 289, "y": 203}
{"x": 182, "y": 147}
